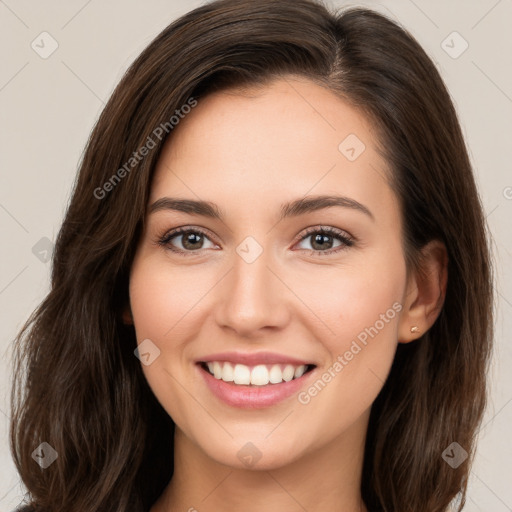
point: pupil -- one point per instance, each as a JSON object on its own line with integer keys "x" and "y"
{"x": 322, "y": 241}
{"x": 190, "y": 239}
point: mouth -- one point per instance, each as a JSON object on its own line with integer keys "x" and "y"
{"x": 254, "y": 381}
{"x": 255, "y": 375}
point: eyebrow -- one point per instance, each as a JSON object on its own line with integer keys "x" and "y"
{"x": 289, "y": 209}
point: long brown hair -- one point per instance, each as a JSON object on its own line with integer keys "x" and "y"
{"x": 77, "y": 384}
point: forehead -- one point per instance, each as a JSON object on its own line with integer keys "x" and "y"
{"x": 289, "y": 138}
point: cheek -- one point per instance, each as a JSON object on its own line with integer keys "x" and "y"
{"x": 358, "y": 303}
{"x": 161, "y": 298}
{"x": 361, "y": 309}
{"x": 361, "y": 351}
{"x": 159, "y": 303}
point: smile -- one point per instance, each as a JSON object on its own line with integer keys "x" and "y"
{"x": 258, "y": 375}
{"x": 254, "y": 381}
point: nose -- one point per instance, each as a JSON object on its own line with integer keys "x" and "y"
{"x": 253, "y": 298}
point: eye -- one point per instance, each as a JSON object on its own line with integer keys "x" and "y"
{"x": 322, "y": 239}
{"x": 190, "y": 240}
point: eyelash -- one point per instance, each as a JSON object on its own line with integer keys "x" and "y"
{"x": 347, "y": 241}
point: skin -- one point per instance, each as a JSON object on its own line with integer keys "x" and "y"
{"x": 250, "y": 151}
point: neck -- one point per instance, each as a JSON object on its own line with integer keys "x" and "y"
{"x": 326, "y": 478}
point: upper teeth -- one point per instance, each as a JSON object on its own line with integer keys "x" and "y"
{"x": 259, "y": 375}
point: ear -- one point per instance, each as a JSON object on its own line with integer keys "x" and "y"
{"x": 127, "y": 315}
{"x": 425, "y": 293}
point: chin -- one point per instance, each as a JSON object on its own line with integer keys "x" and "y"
{"x": 258, "y": 454}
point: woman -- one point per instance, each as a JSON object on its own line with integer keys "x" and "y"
{"x": 272, "y": 287}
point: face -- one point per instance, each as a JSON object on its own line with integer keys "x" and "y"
{"x": 264, "y": 293}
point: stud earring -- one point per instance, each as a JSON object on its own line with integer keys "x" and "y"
{"x": 415, "y": 328}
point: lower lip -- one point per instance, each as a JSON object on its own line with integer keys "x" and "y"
{"x": 252, "y": 397}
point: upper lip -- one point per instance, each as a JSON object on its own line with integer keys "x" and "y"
{"x": 253, "y": 358}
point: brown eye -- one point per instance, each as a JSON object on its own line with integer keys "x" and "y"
{"x": 183, "y": 240}
{"x": 191, "y": 240}
{"x": 323, "y": 240}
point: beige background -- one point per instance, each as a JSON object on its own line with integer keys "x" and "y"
{"x": 48, "y": 108}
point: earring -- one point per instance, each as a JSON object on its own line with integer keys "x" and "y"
{"x": 415, "y": 328}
